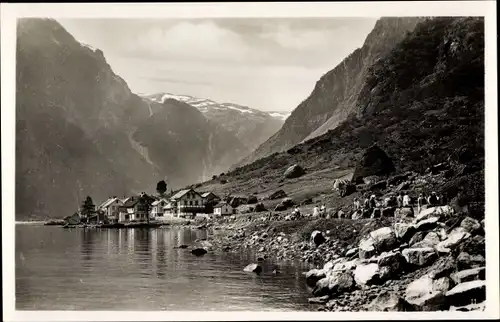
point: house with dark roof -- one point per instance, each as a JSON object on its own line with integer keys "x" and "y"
{"x": 158, "y": 209}
{"x": 223, "y": 209}
{"x": 111, "y": 208}
{"x": 187, "y": 203}
{"x": 133, "y": 210}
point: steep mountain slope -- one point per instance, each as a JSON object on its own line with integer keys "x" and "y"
{"x": 418, "y": 116}
{"x": 335, "y": 94}
{"x": 249, "y": 125}
{"x": 80, "y": 131}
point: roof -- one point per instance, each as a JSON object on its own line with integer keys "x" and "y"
{"x": 108, "y": 202}
{"x": 206, "y": 194}
{"x": 220, "y": 204}
{"x": 181, "y": 193}
{"x": 130, "y": 202}
{"x": 158, "y": 202}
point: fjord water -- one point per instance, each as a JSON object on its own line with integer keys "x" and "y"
{"x": 139, "y": 269}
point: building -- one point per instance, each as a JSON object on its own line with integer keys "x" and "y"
{"x": 223, "y": 209}
{"x": 133, "y": 210}
{"x": 187, "y": 203}
{"x": 210, "y": 199}
{"x": 158, "y": 209}
{"x": 110, "y": 208}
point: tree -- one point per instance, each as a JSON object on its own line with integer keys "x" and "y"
{"x": 88, "y": 208}
{"x": 145, "y": 205}
{"x": 161, "y": 187}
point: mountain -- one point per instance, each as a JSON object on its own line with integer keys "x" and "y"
{"x": 81, "y": 131}
{"x": 250, "y": 126}
{"x": 335, "y": 95}
{"x": 419, "y": 117}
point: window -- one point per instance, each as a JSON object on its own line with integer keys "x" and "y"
{"x": 190, "y": 202}
{"x": 196, "y": 202}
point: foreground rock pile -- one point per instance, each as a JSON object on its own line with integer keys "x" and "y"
{"x": 432, "y": 262}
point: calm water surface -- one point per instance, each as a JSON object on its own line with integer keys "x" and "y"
{"x": 139, "y": 269}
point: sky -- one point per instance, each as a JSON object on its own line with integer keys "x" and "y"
{"x": 267, "y": 64}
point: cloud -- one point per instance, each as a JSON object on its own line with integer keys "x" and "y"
{"x": 174, "y": 80}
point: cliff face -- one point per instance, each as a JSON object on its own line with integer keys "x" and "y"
{"x": 335, "y": 94}
{"x": 80, "y": 131}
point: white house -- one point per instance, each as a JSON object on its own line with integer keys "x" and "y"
{"x": 223, "y": 209}
{"x": 157, "y": 209}
{"x": 111, "y": 208}
{"x": 187, "y": 203}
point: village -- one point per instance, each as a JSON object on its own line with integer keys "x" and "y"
{"x": 149, "y": 209}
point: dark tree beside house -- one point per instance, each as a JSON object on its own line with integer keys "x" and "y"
{"x": 161, "y": 187}
{"x": 145, "y": 205}
{"x": 88, "y": 208}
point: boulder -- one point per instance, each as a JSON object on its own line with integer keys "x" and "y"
{"x": 404, "y": 231}
{"x": 366, "y": 248}
{"x": 366, "y": 274}
{"x": 390, "y": 259}
{"x": 403, "y": 213}
{"x": 199, "y": 251}
{"x": 456, "y": 236}
{"x": 294, "y": 171}
{"x": 317, "y": 238}
{"x": 384, "y": 239}
{"x": 284, "y": 204}
{"x": 346, "y": 266}
{"x": 444, "y": 266}
{"x": 278, "y": 195}
{"x": 378, "y": 185}
{"x": 467, "y": 292}
{"x": 397, "y": 179}
{"x": 319, "y": 300}
{"x": 252, "y": 199}
{"x": 469, "y": 275}
{"x": 427, "y": 224}
{"x": 245, "y": 209}
{"x": 420, "y": 256}
{"x": 426, "y": 294}
{"x": 351, "y": 252}
{"x": 253, "y": 268}
{"x": 417, "y": 237}
{"x": 387, "y": 302}
{"x": 374, "y": 161}
{"x": 470, "y": 225}
{"x": 388, "y": 212}
{"x": 440, "y": 212}
{"x": 314, "y": 275}
{"x": 403, "y": 186}
{"x": 259, "y": 207}
{"x": 335, "y": 283}
{"x": 430, "y": 240}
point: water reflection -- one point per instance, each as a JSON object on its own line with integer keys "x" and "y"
{"x": 140, "y": 269}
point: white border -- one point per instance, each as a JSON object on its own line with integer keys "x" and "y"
{"x": 9, "y": 13}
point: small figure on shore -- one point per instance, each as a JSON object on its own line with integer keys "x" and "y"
{"x": 406, "y": 200}
{"x": 316, "y": 211}
{"x": 420, "y": 202}
{"x": 373, "y": 201}
{"x": 433, "y": 199}
{"x": 322, "y": 211}
{"x": 357, "y": 205}
{"x": 399, "y": 199}
{"x": 366, "y": 203}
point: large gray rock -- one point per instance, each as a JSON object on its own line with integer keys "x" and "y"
{"x": 335, "y": 283}
{"x": 439, "y": 212}
{"x": 278, "y": 195}
{"x": 253, "y": 268}
{"x": 384, "y": 239}
{"x": 403, "y": 213}
{"x": 427, "y": 224}
{"x": 469, "y": 275}
{"x": 366, "y": 247}
{"x": 404, "y": 231}
{"x": 468, "y": 292}
{"x": 427, "y": 294}
{"x": 420, "y": 256}
{"x": 430, "y": 240}
{"x": 366, "y": 274}
{"x": 314, "y": 275}
{"x": 388, "y": 302}
{"x": 317, "y": 238}
{"x": 455, "y": 237}
{"x": 198, "y": 251}
{"x": 294, "y": 171}
{"x": 470, "y": 225}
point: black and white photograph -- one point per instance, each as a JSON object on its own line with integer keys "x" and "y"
{"x": 202, "y": 158}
